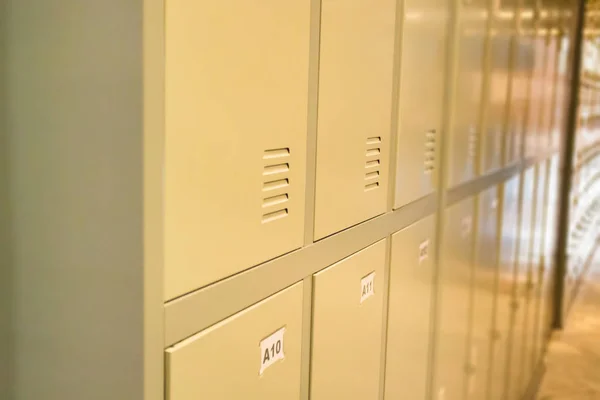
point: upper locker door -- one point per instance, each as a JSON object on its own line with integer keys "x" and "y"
{"x": 471, "y": 24}
{"x": 498, "y": 67}
{"x": 422, "y": 83}
{"x": 236, "y": 118}
{"x": 354, "y": 116}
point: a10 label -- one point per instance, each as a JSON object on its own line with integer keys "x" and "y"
{"x": 367, "y": 287}
{"x": 271, "y": 350}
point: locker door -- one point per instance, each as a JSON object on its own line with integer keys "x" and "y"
{"x": 252, "y": 355}
{"x": 409, "y": 311}
{"x": 520, "y": 290}
{"x": 355, "y": 108}
{"x": 235, "y": 144}
{"x": 522, "y": 79}
{"x": 484, "y": 296}
{"x": 533, "y": 143}
{"x": 549, "y": 88}
{"x": 464, "y": 133}
{"x": 530, "y": 280}
{"x": 549, "y": 242}
{"x": 537, "y": 267}
{"x": 502, "y": 318}
{"x": 497, "y": 101}
{"x": 347, "y": 327}
{"x": 562, "y": 84}
{"x": 422, "y": 83}
{"x": 455, "y": 278}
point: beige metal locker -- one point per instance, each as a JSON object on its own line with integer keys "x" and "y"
{"x": 537, "y": 266}
{"x": 472, "y": 30}
{"x": 504, "y": 287}
{"x": 422, "y": 82}
{"x": 347, "y": 327}
{"x": 520, "y": 82}
{"x": 497, "y": 101}
{"x": 252, "y": 355}
{"x": 533, "y": 143}
{"x": 354, "y": 113}
{"x": 235, "y": 144}
{"x": 529, "y": 280}
{"x": 562, "y": 86}
{"x": 484, "y": 294}
{"x": 515, "y": 385}
{"x": 454, "y": 298}
{"x": 409, "y": 311}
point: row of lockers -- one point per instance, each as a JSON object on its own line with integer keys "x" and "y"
{"x": 491, "y": 309}
{"x": 245, "y": 91}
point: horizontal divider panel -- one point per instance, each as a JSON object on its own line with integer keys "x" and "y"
{"x": 481, "y": 183}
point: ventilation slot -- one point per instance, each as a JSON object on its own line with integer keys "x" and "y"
{"x": 276, "y": 184}
{"x": 372, "y": 163}
{"x": 429, "y": 156}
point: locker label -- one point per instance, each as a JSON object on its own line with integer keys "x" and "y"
{"x": 423, "y": 251}
{"x": 367, "y": 287}
{"x": 466, "y": 226}
{"x": 271, "y": 350}
{"x": 494, "y": 204}
{"x": 441, "y": 394}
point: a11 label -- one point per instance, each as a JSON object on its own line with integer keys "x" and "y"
{"x": 367, "y": 287}
{"x": 271, "y": 350}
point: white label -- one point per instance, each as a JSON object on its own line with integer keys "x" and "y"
{"x": 271, "y": 350}
{"x": 441, "y": 394}
{"x": 466, "y": 225}
{"x": 495, "y": 204}
{"x": 423, "y": 251}
{"x": 367, "y": 287}
{"x": 473, "y": 377}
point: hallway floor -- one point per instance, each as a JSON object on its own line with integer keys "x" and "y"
{"x": 573, "y": 359}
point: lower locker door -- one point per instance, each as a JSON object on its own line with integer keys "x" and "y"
{"x": 253, "y": 355}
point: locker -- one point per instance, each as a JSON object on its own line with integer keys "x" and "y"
{"x": 507, "y": 258}
{"x": 347, "y": 327}
{"x": 515, "y": 81}
{"x": 235, "y": 144}
{"x": 520, "y": 82}
{"x": 538, "y": 42}
{"x": 252, "y": 355}
{"x": 520, "y": 290}
{"x": 354, "y": 112}
{"x": 530, "y": 277}
{"x": 497, "y": 101}
{"x": 421, "y": 103}
{"x": 409, "y": 311}
{"x": 455, "y": 278}
{"x": 471, "y": 24}
{"x": 484, "y": 296}
{"x": 549, "y": 86}
{"x": 562, "y": 85}
{"x": 537, "y": 266}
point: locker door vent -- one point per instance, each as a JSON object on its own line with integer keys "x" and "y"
{"x": 429, "y": 163}
{"x": 276, "y": 182}
{"x": 372, "y": 163}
